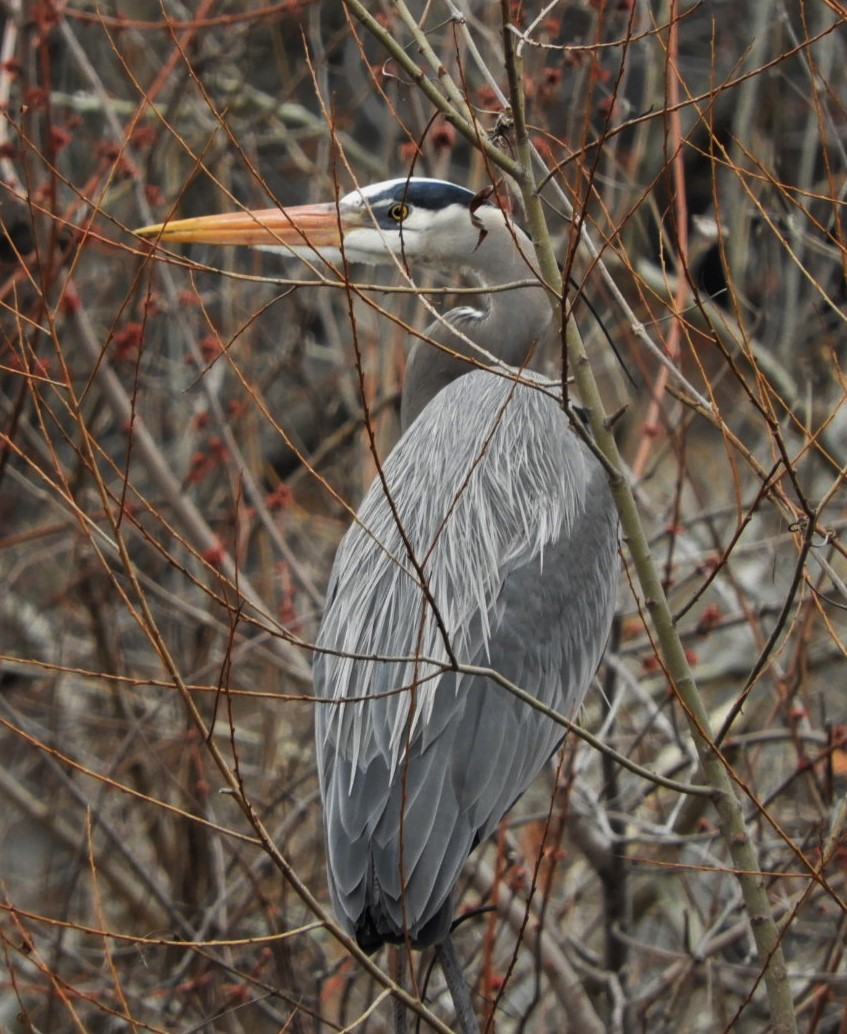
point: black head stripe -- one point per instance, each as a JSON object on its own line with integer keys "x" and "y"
{"x": 422, "y": 193}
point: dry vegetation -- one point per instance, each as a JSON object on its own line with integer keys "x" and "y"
{"x": 181, "y": 438}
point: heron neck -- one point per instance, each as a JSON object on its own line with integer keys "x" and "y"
{"x": 508, "y": 328}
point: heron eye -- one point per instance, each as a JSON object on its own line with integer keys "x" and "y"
{"x": 398, "y": 212}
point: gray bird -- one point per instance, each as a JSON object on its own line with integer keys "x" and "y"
{"x": 490, "y": 539}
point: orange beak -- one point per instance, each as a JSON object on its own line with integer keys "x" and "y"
{"x": 303, "y": 226}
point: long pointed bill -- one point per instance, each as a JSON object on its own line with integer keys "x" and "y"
{"x": 300, "y": 227}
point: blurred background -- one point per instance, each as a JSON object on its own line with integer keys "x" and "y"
{"x": 182, "y": 439}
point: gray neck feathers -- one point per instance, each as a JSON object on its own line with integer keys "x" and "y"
{"x": 510, "y": 325}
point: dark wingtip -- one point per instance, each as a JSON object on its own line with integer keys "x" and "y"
{"x": 372, "y": 931}
{"x": 367, "y": 937}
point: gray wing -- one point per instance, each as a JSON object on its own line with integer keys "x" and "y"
{"x": 511, "y": 517}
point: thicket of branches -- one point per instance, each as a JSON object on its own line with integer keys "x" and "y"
{"x": 182, "y": 442}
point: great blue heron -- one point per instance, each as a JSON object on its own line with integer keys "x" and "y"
{"x": 490, "y": 539}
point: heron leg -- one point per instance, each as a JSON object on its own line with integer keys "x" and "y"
{"x": 451, "y": 967}
{"x": 398, "y": 975}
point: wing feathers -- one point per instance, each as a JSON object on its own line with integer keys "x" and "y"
{"x": 511, "y": 519}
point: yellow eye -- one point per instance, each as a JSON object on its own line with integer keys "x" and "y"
{"x": 398, "y": 212}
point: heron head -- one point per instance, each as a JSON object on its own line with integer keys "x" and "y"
{"x": 426, "y": 221}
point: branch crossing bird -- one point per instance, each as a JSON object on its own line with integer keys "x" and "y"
{"x": 489, "y": 540}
